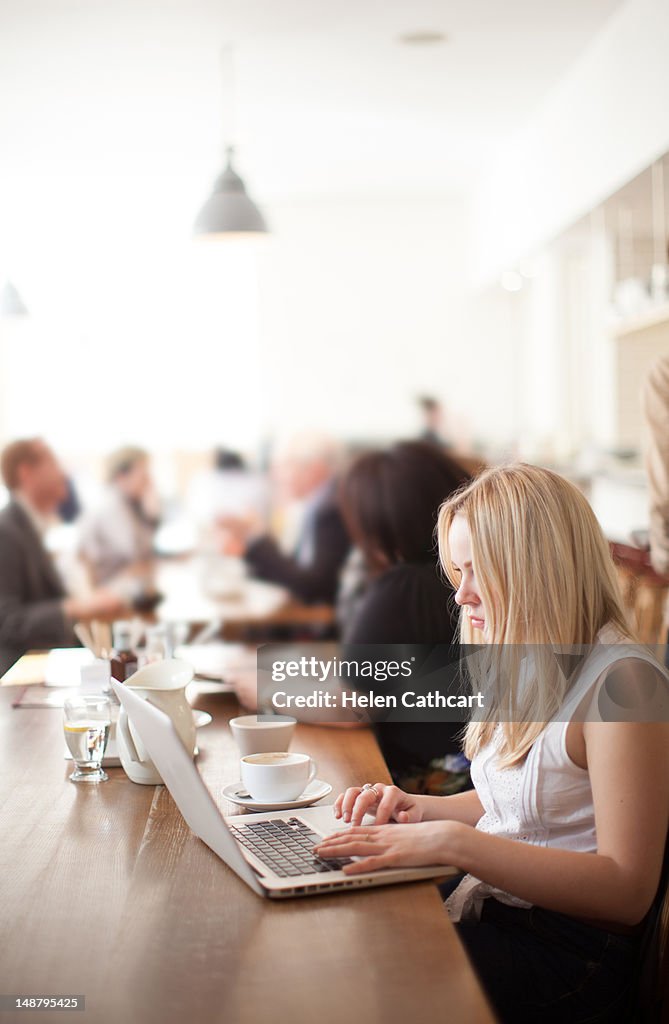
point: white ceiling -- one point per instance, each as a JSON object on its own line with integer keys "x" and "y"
{"x": 108, "y": 92}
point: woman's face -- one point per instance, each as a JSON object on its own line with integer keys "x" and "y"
{"x": 135, "y": 482}
{"x": 467, "y": 594}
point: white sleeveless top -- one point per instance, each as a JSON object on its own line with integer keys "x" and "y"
{"x": 546, "y": 800}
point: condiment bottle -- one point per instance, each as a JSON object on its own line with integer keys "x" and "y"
{"x": 124, "y": 658}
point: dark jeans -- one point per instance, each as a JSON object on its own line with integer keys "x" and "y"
{"x": 536, "y": 965}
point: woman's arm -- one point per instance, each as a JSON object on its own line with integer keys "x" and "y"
{"x": 628, "y": 764}
{"x": 464, "y": 807}
{"x": 629, "y": 771}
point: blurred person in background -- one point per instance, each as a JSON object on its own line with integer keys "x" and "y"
{"x": 433, "y": 432}
{"x": 390, "y": 501}
{"x": 69, "y": 509}
{"x": 118, "y": 536}
{"x": 305, "y": 471}
{"x": 225, "y": 459}
{"x": 35, "y": 610}
{"x": 228, "y": 487}
{"x": 656, "y": 455}
{"x": 432, "y": 415}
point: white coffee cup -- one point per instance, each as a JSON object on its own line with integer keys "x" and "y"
{"x": 276, "y": 777}
{"x": 255, "y": 735}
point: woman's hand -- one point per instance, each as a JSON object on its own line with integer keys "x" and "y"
{"x": 391, "y": 803}
{"x": 396, "y": 846}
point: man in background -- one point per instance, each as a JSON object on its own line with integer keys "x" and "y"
{"x": 306, "y": 472}
{"x": 432, "y": 415}
{"x": 35, "y": 610}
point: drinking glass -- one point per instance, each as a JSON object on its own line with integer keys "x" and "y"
{"x": 87, "y": 721}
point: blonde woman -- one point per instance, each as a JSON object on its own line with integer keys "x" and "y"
{"x": 562, "y": 839}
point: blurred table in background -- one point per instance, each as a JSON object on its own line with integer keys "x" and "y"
{"x": 199, "y": 591}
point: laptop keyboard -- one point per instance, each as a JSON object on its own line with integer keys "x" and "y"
{"x": 286, "y": 847}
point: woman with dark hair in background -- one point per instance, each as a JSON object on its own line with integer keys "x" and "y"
{"x": 390, "y": 500}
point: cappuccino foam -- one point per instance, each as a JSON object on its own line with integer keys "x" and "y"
{"x": 274, "y": 758}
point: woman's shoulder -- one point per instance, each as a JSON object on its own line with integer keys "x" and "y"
{"x": 626, "y": 681}
{"x": 408, "y": 583}
{"x": 611, "y": 633}
{"x": 420, "y": 575}
{"x": 406, "y": 603}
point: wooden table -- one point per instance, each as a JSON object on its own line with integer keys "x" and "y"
{"x": 105, "y": 892}
{"x": 253, "y": 604}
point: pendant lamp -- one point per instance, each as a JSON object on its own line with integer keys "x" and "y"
{"x": 229, "y": 211}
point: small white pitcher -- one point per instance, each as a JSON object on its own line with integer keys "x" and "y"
{"x": 163, "y": 684}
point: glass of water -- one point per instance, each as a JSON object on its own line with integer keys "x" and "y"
{"x": 87, "y": 721}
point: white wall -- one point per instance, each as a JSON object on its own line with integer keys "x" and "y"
{"x": 156, "y": 343}
{"x": 363, "y": 306}
{"x": 603, "y": 123}
{"x": 567, "y": 366}
{"x": 337, "y": 321}
{"x": 549, "y": 354}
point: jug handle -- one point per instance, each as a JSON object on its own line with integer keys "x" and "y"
{"x": 125, "y": 732}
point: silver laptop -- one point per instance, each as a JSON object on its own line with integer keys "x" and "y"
{"x": 271, "y": 852}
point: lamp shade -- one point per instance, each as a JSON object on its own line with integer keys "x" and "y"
{"x": 11, "y": 303}
{"x": 229, "y": 210}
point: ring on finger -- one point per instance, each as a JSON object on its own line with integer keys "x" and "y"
{"x": 368, "y": 787}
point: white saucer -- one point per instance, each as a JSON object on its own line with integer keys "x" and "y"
{"x": 201, "y": 718}
{"x": 316, "y": 790}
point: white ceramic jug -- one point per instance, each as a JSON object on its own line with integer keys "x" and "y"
{"x": 163, "y": 684}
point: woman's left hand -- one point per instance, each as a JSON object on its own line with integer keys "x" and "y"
{"x": 396, "y": 846}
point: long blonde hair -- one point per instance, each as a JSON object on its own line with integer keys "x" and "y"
{"x": 545, "y": 576}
